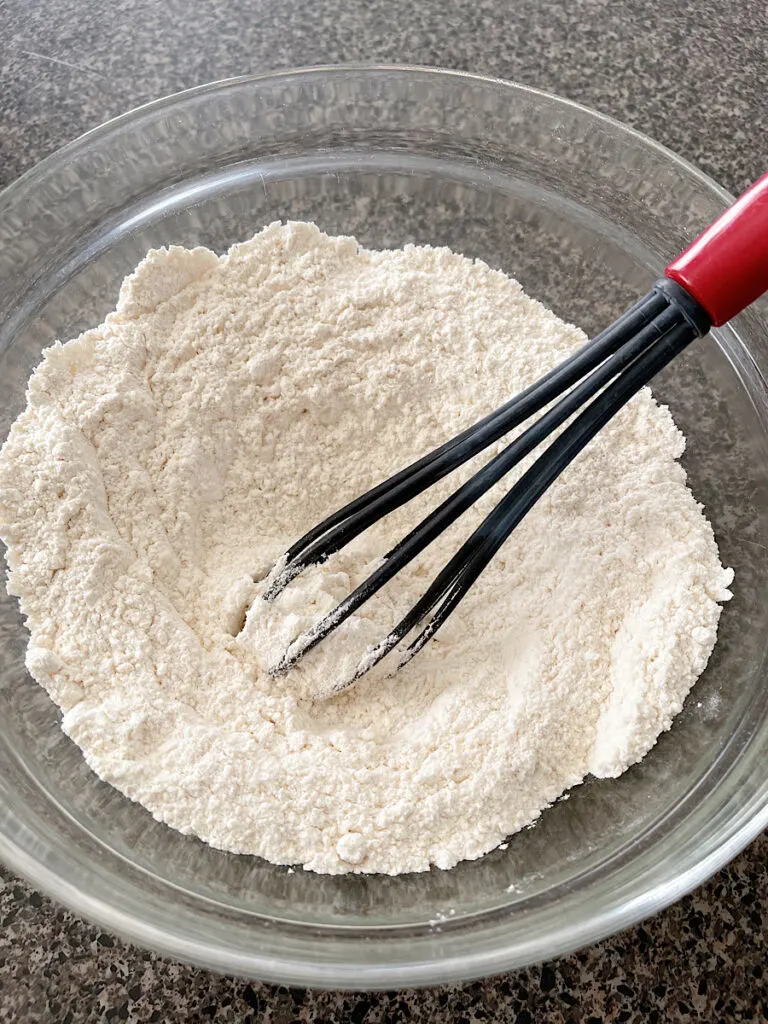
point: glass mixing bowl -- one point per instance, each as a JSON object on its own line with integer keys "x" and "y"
{"x": 585, "y": 213}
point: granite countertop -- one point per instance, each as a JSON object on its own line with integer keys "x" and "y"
{"x": 693, "y": 76}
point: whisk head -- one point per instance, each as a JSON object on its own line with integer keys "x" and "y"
{"x": 592, "y": 385}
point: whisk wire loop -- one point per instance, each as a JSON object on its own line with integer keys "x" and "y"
{"x": 629, "y": 354}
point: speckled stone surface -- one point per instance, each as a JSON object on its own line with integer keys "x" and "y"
{"x": 694, "y": 76}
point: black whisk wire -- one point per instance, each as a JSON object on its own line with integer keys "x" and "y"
{"x": 606, "y": 372}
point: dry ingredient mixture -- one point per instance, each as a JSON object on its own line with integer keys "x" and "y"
{"x": 167, "y": 458}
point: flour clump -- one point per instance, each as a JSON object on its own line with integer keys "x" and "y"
{"x": 168, "y": 457}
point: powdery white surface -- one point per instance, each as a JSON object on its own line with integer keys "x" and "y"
{"x": 168, "y": 457}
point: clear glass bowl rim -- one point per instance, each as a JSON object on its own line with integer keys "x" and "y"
{"x": 747, "y": 822}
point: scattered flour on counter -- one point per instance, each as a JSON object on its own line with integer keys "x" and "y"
{"x": 167, "y": 458}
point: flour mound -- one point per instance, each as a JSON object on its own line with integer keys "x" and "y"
{"x": 167, "y": 458}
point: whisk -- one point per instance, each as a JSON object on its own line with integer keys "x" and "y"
{"x": 722, "y": 272}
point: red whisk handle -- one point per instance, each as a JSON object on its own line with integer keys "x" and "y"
{"x": 726, "y": 268}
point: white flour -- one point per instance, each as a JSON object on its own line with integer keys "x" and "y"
{"x": 171, "y": 454}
